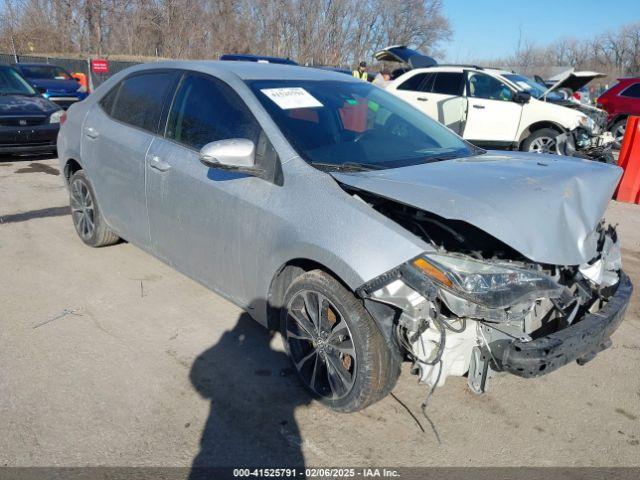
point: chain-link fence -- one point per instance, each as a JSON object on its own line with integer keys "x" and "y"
{"x": 72, "y": 65}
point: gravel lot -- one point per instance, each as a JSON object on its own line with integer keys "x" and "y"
{"x": 110, "y": 357}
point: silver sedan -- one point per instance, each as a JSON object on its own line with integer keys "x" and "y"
{"x": 361, "y": 229}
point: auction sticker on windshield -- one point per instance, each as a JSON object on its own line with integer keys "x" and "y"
{"x": 292, "y": 97}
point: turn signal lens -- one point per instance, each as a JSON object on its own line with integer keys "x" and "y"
{"x": 432, "y": 271}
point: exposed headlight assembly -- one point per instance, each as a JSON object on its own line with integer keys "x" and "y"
{"x": 55, "y": 116}
{"x": 484, "y": 283}
{"x": 587, "y": 123}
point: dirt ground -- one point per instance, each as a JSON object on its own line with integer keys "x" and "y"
{"x": 109, "y": 357}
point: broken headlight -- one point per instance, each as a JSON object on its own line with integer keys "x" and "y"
{"x": 587, "y": 123}
{"x": 489, "y": 284}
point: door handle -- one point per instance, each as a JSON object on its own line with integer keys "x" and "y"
{"x": 479, "y": 107}
{"x": 91, "y": 132}
{"x": 422, "y": 99}
{"x": 159, "y": 164}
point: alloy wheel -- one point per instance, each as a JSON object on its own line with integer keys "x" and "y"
{"x": 82, "y": 209}
{"x": 320, "y": 344}
{"x": 543, "y": 145}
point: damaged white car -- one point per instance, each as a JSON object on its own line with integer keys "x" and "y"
{"x": 364, "y": 231}
{"x": 499, "y": 109}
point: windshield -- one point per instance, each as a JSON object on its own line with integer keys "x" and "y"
{"x": 12, "y": 83}
{"x": 355, "y": 124}
{"x": 529, "y": 85}
{"x": 45, "y": 72}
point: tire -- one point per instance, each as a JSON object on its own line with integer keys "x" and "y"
{"x": 617, "y": 130}
{"x": 86, "y": 215}
{"x": 362, "y": 371}
{"x": 538, "y": 141}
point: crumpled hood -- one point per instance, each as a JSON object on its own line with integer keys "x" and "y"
{"x": 545, "y": 207}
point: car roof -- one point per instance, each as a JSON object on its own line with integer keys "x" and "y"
{"x": 500, "y": 71}
{"x": 248, "y": 70}
{"x": 455, "y": 67}
{"x": 438, "y": 68}
{"x": 248, "y": 57}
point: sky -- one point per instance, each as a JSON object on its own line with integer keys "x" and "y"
{"x": 485, "y": 29}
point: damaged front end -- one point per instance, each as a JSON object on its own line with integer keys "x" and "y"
{"x": 476, "y": 306}
{"x": 590, "y": 139}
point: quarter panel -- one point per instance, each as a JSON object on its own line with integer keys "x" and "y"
{"x": 69, "y": 137}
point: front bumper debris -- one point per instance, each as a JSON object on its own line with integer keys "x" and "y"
{"x": 578, "y": 143}
{"x": 581, "y": 341}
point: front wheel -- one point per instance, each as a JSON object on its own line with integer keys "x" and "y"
{"x": 336, "y": 348}
{"x": 542, "y": 141}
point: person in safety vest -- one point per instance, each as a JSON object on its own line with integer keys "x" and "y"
{"x": 361, "y": 72}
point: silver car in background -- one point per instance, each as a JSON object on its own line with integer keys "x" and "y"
{"x": 342, "y": 216}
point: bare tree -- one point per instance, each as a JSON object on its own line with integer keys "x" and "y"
{"x": 310, "y": 31}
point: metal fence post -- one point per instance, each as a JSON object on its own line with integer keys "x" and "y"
{"x": 90, "y": 85}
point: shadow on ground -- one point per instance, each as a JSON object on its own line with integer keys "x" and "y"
{"x": 33, "y": 157}
{"x": 40, "y": 213}
{"x": 254, "y": 392}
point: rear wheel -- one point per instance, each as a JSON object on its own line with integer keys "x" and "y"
{"x": 85, "y": 213}
{"x": 542, "y": 141}
{"x": 336, "y": 348}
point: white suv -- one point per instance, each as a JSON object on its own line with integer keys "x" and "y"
{"x": 485, "y": 107}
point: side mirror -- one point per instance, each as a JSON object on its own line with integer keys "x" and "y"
{"x": 521, "y": 97}
{"x": 40, "y": 90}
{"x": 235, "y": 154}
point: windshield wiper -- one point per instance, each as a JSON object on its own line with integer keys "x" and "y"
{"x": 345, "y": 167}
{"x": 450, "y": 156}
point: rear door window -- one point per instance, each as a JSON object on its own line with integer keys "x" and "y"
{"x": 140, "y": 99}
{"x": 421, "y": 82}
{"x": 205, "y": 110}
{"x": 633, "y": 91}
{"x": 448, "y": 83}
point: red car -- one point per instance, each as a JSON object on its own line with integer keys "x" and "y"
{"x": 620, "y": 101}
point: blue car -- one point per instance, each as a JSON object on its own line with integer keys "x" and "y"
{"x": 55, "y": 83}
{"x": 247, "y": 57}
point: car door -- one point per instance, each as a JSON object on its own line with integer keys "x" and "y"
{"x": 204, "y": 221}
{"x": 439, "y": 95}
{"x": 416, "y": 90}
{"x": 116, "y": 136}
{"x": 446, "y": 100}
{"x": 493, "y": 117}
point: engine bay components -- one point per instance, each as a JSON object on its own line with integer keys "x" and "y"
{"x": 483, "y": 308}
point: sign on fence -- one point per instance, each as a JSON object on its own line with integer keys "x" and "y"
{"x": 97, "y": 70}
{"x": 100, "y": 65}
